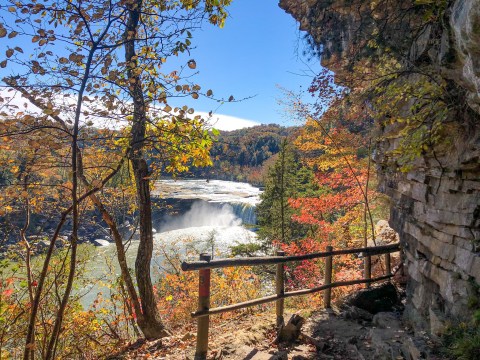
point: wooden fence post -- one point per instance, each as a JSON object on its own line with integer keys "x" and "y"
{"x": 203, "y": 304}
{"x": 280, "y": 290}
{"x": 388, "y": 266}
{"x": 327, "y": 293}
{"x": 367, "y": 262}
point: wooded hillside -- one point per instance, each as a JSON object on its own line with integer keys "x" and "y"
{"x": 242, "y": 155}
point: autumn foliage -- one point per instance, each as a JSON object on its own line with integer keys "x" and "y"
{"x": 177, "y": 292}
{"x": 336, "y": 143}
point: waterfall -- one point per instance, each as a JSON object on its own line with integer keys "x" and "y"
{"x": 203, "y": 213}
{"x": 245, "y": 211}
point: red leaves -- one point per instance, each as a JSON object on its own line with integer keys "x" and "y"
{"x": 305, "y": 274}
{"x": 7, "y": 292}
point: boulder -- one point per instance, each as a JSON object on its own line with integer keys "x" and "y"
{"x": 291, "y": 331}
{"x": 101, "y": 242}
{"x": 355, "y": 313}
{"x": 386, "y": 320}
{"x": 376, "y": 299}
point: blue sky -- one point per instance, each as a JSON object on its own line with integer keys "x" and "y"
{"x": 259, "y": 48}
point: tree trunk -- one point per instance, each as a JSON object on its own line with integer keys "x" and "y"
{"x": 152, "y": 327}
{"x": 150, "y": 323}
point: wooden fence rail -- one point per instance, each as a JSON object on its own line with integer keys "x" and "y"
{"x": 269, "y": 260}
{"x": 205, "y": 264}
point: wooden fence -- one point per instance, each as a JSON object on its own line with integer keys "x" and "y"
{"x": 205, "y": 264}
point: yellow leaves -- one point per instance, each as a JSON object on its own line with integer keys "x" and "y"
{"x": 228, "y": 285}
{"x": 7, "y": 208}
{"x": 51, "y": 112}
{"x": 214, "y": 19}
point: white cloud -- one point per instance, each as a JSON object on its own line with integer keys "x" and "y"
{"x": 218, "y": 121}
{"x": 227, "y": 122}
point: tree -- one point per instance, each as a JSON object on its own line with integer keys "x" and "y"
{"x": 285, "y": 179}
{"x": 335, "y": 144}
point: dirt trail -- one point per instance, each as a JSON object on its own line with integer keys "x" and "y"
{"x": 351, "y": 334}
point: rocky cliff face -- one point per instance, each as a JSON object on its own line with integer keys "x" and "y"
{"x": 436, "y": 205}
{"x": 436, "y": 210}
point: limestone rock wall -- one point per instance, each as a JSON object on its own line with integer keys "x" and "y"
{"x": 436, "y": 211}
{"x": 436, "y": 206}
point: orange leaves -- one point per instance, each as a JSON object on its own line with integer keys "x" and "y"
{"x": 192, "y": 64}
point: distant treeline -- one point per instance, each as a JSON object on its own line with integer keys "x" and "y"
{"x": 244, "y": 154}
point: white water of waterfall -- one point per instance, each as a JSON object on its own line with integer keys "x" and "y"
{"x": 203, "y": 214}
{"x": 245, "y": 212}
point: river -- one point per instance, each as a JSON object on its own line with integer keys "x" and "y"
{"x": 211, "y": 220}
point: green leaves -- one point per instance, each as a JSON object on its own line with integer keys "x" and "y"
{"x": 414, "y": 108}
